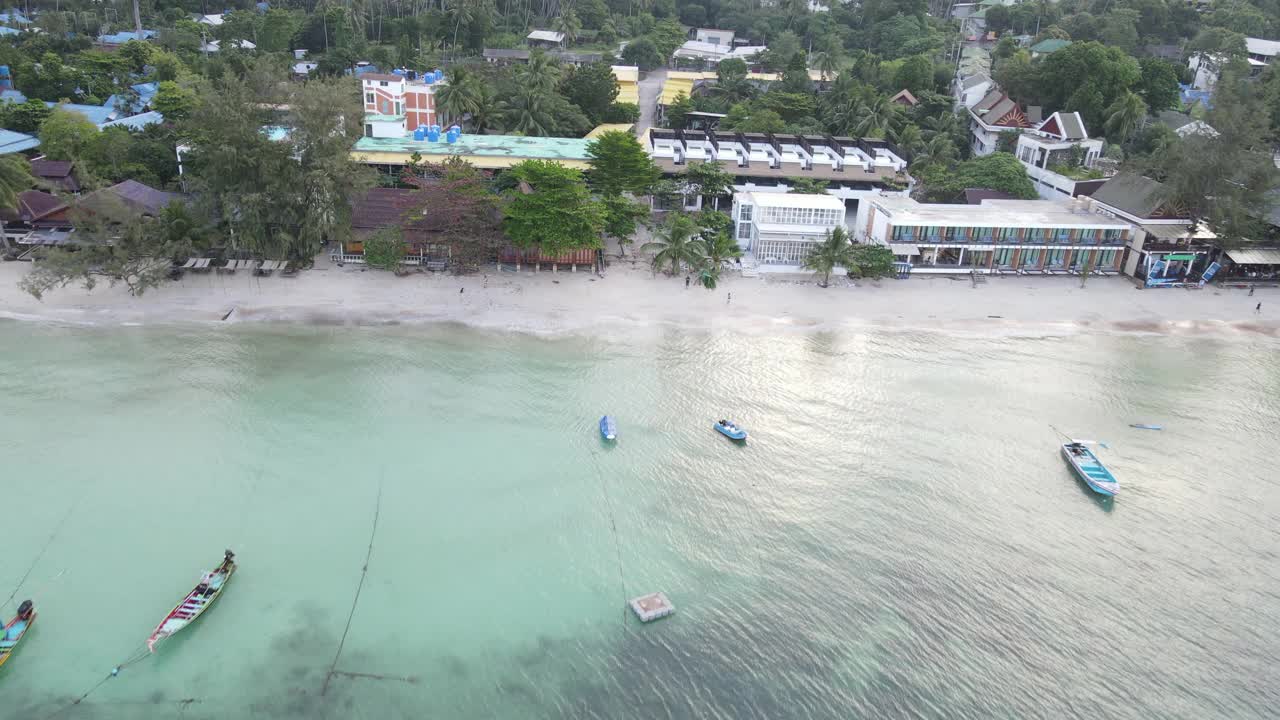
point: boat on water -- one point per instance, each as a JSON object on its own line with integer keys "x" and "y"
{"x": 1090, "y": 468}
{"x": 16, "y": 629}
{"x": 730, "y": 430}
{"x": 608, "y": 428}
{"x": 196, "y": 602}
{"x": 1145, "y": 426}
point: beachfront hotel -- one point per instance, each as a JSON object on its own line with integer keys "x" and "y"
{"x": 995, "y": 236}
{"x": 776, "y": 231}
{"x": 853, "y": 168}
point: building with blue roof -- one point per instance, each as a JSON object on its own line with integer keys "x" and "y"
{"x": 146, "y": 91}
{"x": 13, "y": 96}
{"x": 96, "y": 114}
{"x": 13, "y": 17}
{"x": 121, "y": 38}
{"x": 6, "y": 31}
{"x": 135, "y": 122}
{"x": 12, "y": 142}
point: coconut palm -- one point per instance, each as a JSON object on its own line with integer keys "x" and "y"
{"x": 486, "y": 109}
{"x": 676, "y": 244}
{"x": 15, "y": 176}
{"x": 877, "y": 116}
{"x": 542, "y": 72}
{"x": 940, "y": 150}
{"x": 528, "y": 112}
{"x": 569, "y": 24}
{"x": 461, "y": 95}
{"x": 909, "y": 139}
{"x": 717, "y": 248}
{"x": 832, "y": 251}
{"x": 1124, "y": 116}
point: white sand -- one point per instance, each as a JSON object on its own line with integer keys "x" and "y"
{"x": 631, "y": 297}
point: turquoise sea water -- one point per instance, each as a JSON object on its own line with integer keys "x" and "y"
{"x": 898, "y": 538}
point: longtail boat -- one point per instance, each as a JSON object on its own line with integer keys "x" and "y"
{"x": 1090, "y": 469}
{"x": 16, "y": 629}
{"x": 196, "y": 602}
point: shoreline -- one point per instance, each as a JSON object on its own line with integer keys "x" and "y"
{"x": 629, "y": 297}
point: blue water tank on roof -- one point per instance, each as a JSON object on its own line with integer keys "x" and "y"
{"x": 428, "y": 78}
{"x": 433, "y": 135}
{"x": 436, "y": 128}
{"x": 419, "y": 135}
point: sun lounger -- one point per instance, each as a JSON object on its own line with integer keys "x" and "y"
{"x": 191, "y": 262}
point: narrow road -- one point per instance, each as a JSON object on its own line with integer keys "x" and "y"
{"x": 649, "y": 88}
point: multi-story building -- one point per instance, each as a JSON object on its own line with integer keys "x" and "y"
{"x": 399, "y": 102}
{"x": 767, "y": 162}
{"x": 995, "y": 236}
{"x": 1060, "y": 157}
{"x": 995, "y": 114}
{"x": 1166, "y": 247}
{"x": 779, "y": 230}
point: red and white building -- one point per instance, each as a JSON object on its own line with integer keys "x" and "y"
{"x": 396, "y": 104}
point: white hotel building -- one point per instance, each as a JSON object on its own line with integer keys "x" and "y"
{"x": 778, "y": 230}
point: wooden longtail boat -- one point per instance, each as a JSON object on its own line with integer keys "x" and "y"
{"x": 16, "y": 629}
{"x": 196, "y": 602}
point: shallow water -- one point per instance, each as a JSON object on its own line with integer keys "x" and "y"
{"x": 898, "y": 538}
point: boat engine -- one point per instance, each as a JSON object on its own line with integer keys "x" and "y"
{"x": 25, "y": 610}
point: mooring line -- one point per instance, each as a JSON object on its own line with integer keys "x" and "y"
{"x": 364, "y": 572}
{"x": 47, "y": 544}
{"x": 617, "y": 544}
{"x": 142, "y": 654}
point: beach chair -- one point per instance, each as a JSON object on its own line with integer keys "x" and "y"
{"x": 191, "y": 262}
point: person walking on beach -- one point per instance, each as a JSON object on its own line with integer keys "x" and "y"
{"x": 1258, "y": 310}
{"x": 728, "y": 298}
{"x": 1250, "y": 290}
{"x": 686, "y": 282}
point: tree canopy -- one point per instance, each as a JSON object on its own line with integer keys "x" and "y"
{"x": 551, "y": 209}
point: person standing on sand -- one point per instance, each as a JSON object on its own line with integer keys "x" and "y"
{"x": 728, "y": 298}
{"x": 1258, "y": 310}
{"x": 686, "y": 282}
{"x": 1250, "y": 290}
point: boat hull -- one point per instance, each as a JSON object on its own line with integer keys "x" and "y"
{"x": 608, "y": 428}
{"x": 196, "y": 603}
{"x": 1090, "y": 469}
{"x": 14, "y": 632}
{"x": 733, "y": 433}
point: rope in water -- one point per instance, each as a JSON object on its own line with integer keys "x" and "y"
{"x": 56, "y": 531}
{"x": 364, "y": 573}
{"x": 617, "y": 544}
{"x": 142, "y": 654}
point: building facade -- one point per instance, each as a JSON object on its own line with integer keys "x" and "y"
{"x": 399, "y": 102}
{"x": 1165, "y": 249}
{"x": 1060, "y": 157}
{"x": 994, "y": 114}
{"x": 780, "y": 230}
{"x": 995, "y": 236}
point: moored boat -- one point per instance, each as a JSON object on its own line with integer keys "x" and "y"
{"x": 608, "y": 428}
{"x": 1090, "y": 469}
{"x": 1146, "y": 426}
{"x": 730, "y": 430}
{"x": 16, "y": 629}
{"x": 196, "y": 602}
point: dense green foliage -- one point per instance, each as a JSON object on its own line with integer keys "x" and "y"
{"x": 551, "y": 209}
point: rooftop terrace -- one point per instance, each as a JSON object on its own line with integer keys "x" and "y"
{"x": 483, "y": 151}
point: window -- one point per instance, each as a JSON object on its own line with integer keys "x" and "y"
{"x": 744, "y": 231}
{"x": 369, "y": 98}
{"x": 744, "y": 213}
{"x": 383, "y": 83}
{"x": 399, "y": 108}
{"x": 368, "y": 130}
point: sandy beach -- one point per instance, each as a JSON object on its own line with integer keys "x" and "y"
{"x": 632, "y": 297}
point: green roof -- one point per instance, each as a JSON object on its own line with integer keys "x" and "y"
{"x": 1050, "y": 45}
{"x": 374, "y": 117}
{"x": 509, "y": 146}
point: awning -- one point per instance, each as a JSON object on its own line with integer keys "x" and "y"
{"x": 1167, "y": 232}
{"x": 907, "y": 250}
{"x": 1255, "y": 256}
{"x": 1180, "y": 257}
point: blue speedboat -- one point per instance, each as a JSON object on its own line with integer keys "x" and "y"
{"x": 728, "y": 429}
{"x": 608, "y": 428}
{"x": 1090, "y": 468}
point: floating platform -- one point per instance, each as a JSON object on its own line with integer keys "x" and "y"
{"x": 652, "y": 606}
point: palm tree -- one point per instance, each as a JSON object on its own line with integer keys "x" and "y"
{"x": 877, "y": 116}
{"x": 485, "y": 110}
{"x": 909, "y": 139}
{"x": 569, "y": 24}
{"x": 15, "y": 176}
{"x": 833, "y": 250}
{"x": 460, "y": 96}
{"x": 939, "y": 150}
{"x": 717, "y": 248}
{"x": 675, "y": 244}
{"x": 527, "y": 113}
{"x": 542, "y": 72}
{"x": 1124, "y": 116}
